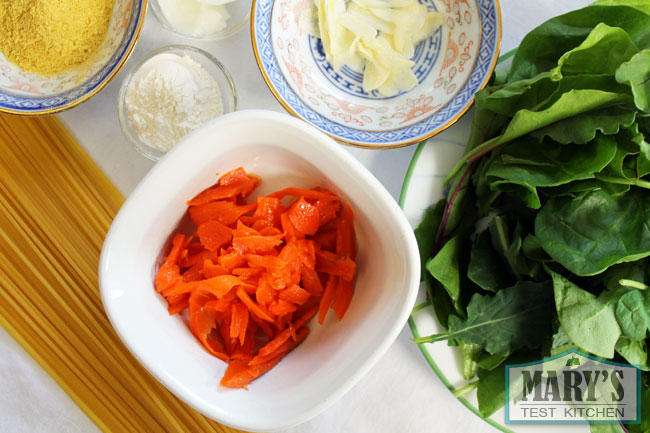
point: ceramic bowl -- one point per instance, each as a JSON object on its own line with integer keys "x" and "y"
{"x": 238, "y": 11}
{"x": 284, "y": 151}
{"x": 27, "y": 93}
{"x": 210, "y": 64}
{"x": 451, "y": 66}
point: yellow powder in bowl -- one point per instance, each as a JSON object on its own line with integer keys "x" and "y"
{"x": 51, "y": 36}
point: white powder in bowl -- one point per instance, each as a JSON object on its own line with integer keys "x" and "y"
{"x": 169, "y": 97}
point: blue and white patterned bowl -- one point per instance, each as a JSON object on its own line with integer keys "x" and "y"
{"x": 27, "y": 94}
{"x": 451, "y": 66}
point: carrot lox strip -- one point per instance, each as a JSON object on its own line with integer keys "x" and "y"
{"x": 282, "y": 349}
{"x": 256, "y": 244}
{"x": 304, "y": 216}
{"x": 167, "y": 276}
{"x": 345, "y": 241}
{"x": 342, "y": 298}
{"x": 202, "y": 323}
{"x": 210, "y": 270}
{"x": 306, "y": 193}
{"x": 294, "y": 294}
{"x": 337, "y": 265}
{"x": 238, "y": 321}
{"x": 216, "y": 286}
{"x": 226, "y": 212}
{"x": 220, "y": 192}
{"x": 252, "y": 306}
{"x": 283, "y": 336}
{"x": 233, "y": 177}
{"x": 311, "y": 281}
{"x": 177, "y": 244}
{"x": 328, "y": 297}
{"x": 214, "y": 235}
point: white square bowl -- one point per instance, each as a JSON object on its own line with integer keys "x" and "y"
{"x": 284, "y": 151}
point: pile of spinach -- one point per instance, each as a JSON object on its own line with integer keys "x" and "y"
{"x": 542, "y": 242}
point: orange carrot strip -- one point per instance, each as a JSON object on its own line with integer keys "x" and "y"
{"x": 327, "y": 210}
{"x": 343, "y": 297}
{"x": 345, "y": 241}
{"x": 220, "y": 192}
{"x": 211, "y": 270}
{"x": 326, "y": 300}
{"x": 233, "y": 177}
{"x": 280, "y": 307}
{"x": 290, "y": 232}
{"x": 256, "y": 244}
{"x": 217, "y": 286}
{"x": 311, "y": 281}
{"x": 283, "y": 336}
{"x": 294, "y": 294}
{"x": 175, "y": 308}
{"x": 304, "y": 216}
{"x": 333, "y": 264}
{"x": 252, "y": 306}
{"x": 202, "y": 322}
{"x": 238, "y": 321}
{"x": 167, "y": 276}
{"x": 306, "y": 193}
{"x": 214, "y": 235}
{"x": 247, "y": 272}
{"x": 226, "y": 212}
{"x": 177, "y": 245}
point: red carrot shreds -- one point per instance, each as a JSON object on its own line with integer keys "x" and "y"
{"x": 225, "y": 212}
{"x": 214, "y": 235}
{"x": 304, "y": 216}
{"x": 253, "y": 274}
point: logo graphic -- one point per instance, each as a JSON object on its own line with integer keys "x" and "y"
{"x": 573, "y": 387}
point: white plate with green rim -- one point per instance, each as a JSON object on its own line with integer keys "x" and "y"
{"x": 423, "y": 187}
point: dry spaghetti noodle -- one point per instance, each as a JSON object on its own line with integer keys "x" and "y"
{"x": 55, "y": 208}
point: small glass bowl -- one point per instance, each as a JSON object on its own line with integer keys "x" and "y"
{"x": 213, "y": 66}
{"x": 239, "y": 11}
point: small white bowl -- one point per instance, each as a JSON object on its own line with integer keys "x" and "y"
{"x": 284, "y": 151}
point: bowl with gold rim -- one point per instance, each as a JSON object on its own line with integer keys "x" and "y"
{"x": 34, "y": 83}
{"x": 449, "y": 66}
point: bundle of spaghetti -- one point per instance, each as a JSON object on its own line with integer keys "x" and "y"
{"x": 55, "y": 208}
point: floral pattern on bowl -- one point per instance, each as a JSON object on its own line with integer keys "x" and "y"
{"x": 451, "y": 66}
{"x": 22, "y": 92}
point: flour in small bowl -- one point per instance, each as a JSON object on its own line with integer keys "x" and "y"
{"x": 169, "y": 97}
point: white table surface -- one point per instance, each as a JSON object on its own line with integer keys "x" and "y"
{"x": 400, "y": 394}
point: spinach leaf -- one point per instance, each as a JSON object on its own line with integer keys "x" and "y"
{"x": 485, "y": 268}
{"x": 589, "y": 322}
{"x": 604, "y": 49}
{"x": 540, "y": 50}
{"x": 488, "y": 362}
{"x": 591, "y": 232}
{"x": 427, "y": 231}
{"x": 632, "y": 316}
{"x": 533, "y": 249}
{"x": 445, "y": 267}
{"x": 561, "y": 342}
{"x": 641, "y": 5}
{"x": 516, "y": 317}
{"x": 491, "y": 391}
{"x": 552, "y": 164}
{"x": 426, "y": 234}
{"x": 636, "y": 72}
{"x": 582, "y": 128}
{"x": 634, "y": 352}
{"x": 508, "y": 243}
